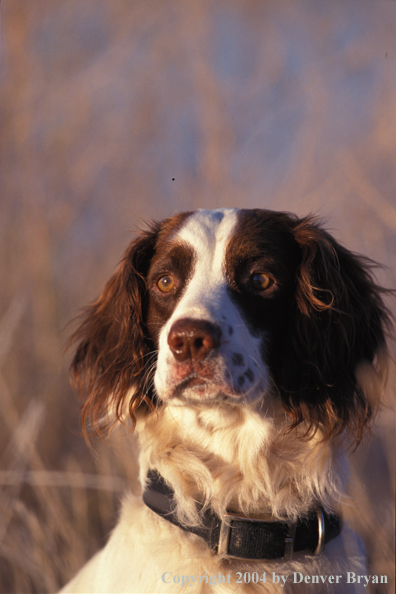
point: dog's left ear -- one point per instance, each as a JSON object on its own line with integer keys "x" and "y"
{"x": 339, "y": 323}
{"x": 111, "y": 363}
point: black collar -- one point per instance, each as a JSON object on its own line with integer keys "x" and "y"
{"x": 247, "y": 538}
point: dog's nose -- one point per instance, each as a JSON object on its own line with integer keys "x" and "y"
{"x": 193, "y": 339}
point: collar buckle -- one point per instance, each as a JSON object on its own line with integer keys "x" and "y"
{"x": 225, "y": 532}
{"x": 289, "y": 541}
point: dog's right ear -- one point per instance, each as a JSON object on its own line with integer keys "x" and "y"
{"x": 111, "y": 365}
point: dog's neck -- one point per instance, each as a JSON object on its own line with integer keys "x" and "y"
{"x": 241, "y": 459}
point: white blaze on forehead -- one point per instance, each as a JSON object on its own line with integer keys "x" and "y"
{"x": 208, "y": 232}
{"x": 206, "y": 297}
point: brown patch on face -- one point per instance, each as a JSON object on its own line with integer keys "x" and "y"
{"x": 322, "y": 315}
{"x": 263, "y": 243}
{"x": 177, "y": 262}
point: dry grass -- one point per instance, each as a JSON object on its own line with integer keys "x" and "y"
{"x": 288, "y": 105}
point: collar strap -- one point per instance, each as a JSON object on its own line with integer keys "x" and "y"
{"x": 247, "y": 538}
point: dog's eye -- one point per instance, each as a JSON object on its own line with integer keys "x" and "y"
{"x": 165, "y": 283}
{"x": 261, "y": 281}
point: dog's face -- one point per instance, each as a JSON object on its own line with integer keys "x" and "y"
{"x": 219, "y": 297}
{"x": 229, "y": 306}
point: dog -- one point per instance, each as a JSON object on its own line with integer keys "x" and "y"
{"x": 236, "y": 342}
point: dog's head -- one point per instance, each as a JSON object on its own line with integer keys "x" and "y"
{"x": 231, "y": 306}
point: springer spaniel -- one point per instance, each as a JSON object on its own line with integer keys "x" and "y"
{"x": 241, "y": 344}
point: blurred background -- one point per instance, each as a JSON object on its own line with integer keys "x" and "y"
{"x": 113, "y": 113}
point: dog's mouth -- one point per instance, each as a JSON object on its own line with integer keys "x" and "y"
{"x": 195, "y": 387}
{"x": 210, "y": 381}
{"x": 198, "y": 389}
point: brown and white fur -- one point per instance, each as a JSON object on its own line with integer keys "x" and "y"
{"x": 232, "y": 339}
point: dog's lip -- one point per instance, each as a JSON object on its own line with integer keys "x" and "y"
{"x": 201, "y": 388}
{"x": 195, "y": 381}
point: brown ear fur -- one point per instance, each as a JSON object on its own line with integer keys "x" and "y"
{"x": 339, "y": 323}
{"x": 113, "y": 347}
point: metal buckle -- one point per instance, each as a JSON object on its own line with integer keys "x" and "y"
{"x": 289, "y": 541}
{"x": 224, "y": 538}
{"x": 321, "y": 532}
{"x": 225, "y": 530}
